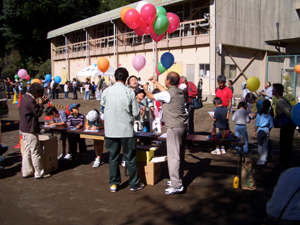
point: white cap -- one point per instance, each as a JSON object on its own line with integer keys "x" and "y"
{"x": 92, "y": 116}
{"x": 182, "y": 86}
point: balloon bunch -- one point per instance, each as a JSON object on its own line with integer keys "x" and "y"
{"x": 22, "y": 74}
{"x": 225, "y": 136}
{"x": 166, "y": 61}
{"x": 148, "y": 19}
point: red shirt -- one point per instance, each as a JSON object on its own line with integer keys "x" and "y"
{"x": 192, "y": 90}
{"x": 225, "y": 94}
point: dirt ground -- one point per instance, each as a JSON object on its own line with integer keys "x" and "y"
{"x": 80, "y": 194}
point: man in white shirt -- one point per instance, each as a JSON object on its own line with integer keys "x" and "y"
{"x": 176, "y": 121}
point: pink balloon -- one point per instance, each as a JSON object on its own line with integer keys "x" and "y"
{"x": 138, "y": 62}
{"x": 132, "y": 18}
{"x": 156, "y": 70}
{"x": 28, "y": 77}
{"x": 138, "y": 31}
{"x": 148, "y": 13}
{"x": 22, "y": 74}
{"x": 155, "y": 37}
{"x": 119, "y": 64}
{"x": 174, "y": 22}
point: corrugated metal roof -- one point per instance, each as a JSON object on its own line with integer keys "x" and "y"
{"x": 101, "y": 18}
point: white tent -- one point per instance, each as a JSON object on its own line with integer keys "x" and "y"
{"x": 93, "y": 71}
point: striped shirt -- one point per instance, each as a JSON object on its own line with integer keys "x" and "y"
{"x": 75, "y": 121}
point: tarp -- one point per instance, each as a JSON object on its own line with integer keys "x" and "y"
{"x": 93, "y": 71}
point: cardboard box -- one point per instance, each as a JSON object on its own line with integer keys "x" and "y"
{"x": 48, "y": 151}
{"x": 149, "y": 172}
{"x": 144, "y": 153}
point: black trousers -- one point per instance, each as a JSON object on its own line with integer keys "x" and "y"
{"x": 75, "y": 93}
{"x": 73, "y": 140}
{"x": 191, "y": 118}
{"x": 286, "y": 144}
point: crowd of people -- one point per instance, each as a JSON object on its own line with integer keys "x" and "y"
{"x": 126, "y": 101}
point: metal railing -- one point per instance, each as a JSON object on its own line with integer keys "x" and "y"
{"x": 185, "y": 29}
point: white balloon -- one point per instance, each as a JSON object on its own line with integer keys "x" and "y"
{"x": 140, "y": 5}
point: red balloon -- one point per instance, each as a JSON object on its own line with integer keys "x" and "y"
{"x": 132, "y": 18}
{"x": 138, "y": 31}
{"x": 156, "y": 70}
{"x": 156, "y": 37}
{"x": 174, "y": 22}
{"x": 148, "y": 13}
{"x": 145, "y": 27}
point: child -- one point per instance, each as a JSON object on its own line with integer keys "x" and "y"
{"x": 241, "y": 117}
{"x": 93, "y": 89}
{"x": 76, "y": 119}
{"x": 140, "y": 95}
{"x": 263, "y": 125}
{"x": 93, "y": 123}
{"x": 157, "y": 114}
{"x": 59, "y": 118}
{"x": 66, "y": 90}
{"x": 87, "y": 91}
{"x": 220, "y": 122}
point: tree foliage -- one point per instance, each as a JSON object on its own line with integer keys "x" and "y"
{"x": 24, "y": 26}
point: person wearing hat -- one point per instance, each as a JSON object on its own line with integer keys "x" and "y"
{"x": 92, "y": 123}
{"x": 76, "y": 119}
{"x": 120, "y": 109}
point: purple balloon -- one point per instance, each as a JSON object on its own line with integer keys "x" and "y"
{"x": 22, "y": 74}
{"x": 139, "y": 62}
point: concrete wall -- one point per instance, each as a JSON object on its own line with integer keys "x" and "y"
{"x": 250, "y": 23}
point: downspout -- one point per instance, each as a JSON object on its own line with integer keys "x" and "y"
{"x": 276, "y": 47}
{"x": 66, "y": 49}
{"x": 86, "y": 47}
{"x": 114, "y": 43}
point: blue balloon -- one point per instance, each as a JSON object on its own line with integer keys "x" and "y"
{"x": 167, "y": 60}
{"x": 95, "y": 65}
{"x": 48, "y": 77}
{"x": 17, "y": 102}
{"x": 296, "y": 114}
{"x": 57, "y": 79}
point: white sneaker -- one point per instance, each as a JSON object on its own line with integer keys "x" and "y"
{"x": 172, "y": 191}
{"x": 96, "y": 163}
{"x": 62, "y": 155}
{"x": 68, "y": 156}
{"x": 223, "y": 151}
{"x": 216, "y": 152}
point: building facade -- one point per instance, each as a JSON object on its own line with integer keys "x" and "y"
{"x": 215, "y": 37}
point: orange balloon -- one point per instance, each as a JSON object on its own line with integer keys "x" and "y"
{"x": 297, "y": 69}
{"x": 103, "y": 64}
{"x": 36, "y": 81}
{"x": 123, "y": 12}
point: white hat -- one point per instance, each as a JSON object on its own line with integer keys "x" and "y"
{"x": 92, "y": 116}
{"x": 182, "y": 86}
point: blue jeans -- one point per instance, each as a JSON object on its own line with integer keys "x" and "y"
{"x": 86, "y": 95}
{"x": 66, "y": 94}
{"x": 241, "y": 131}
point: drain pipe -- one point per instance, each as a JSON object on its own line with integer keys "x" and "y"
{"x": 276, "y": 47}
{"x": 114, "y": 43}
{"x": 66, "y": 49}
{"x": 86, "y": 47}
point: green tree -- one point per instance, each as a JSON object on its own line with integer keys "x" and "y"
{"x": 44, "y": 68}
{"x": 11, "y": 64}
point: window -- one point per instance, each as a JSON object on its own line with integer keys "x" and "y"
{"x": 204, "y": 70}
{"x": 229, "y": 71}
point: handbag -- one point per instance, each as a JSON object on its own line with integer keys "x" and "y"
{"x": 196, "y": 102}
